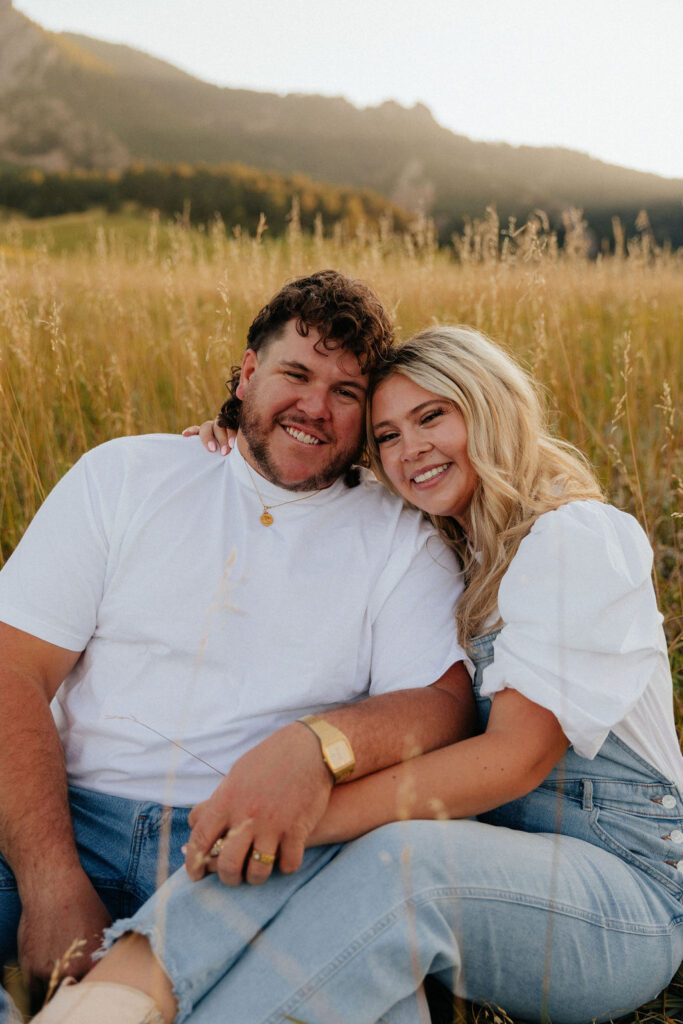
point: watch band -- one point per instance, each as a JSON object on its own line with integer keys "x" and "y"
{"x": 336, "y": 750}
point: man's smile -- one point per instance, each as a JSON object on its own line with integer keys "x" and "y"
{"x": 300, "y": 435}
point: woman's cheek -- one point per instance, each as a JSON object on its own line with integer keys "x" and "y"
{"x": 392, "y": 468}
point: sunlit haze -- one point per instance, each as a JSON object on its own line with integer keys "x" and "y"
{"x": 599, "y": 76}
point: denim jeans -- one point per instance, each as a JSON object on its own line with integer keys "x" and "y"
{"x": 566, "y": 905}
{"x": 126, "y": 848}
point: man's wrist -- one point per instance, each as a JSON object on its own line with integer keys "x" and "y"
{"x": 66, "y": 872}
{"x": 335, "y": 747}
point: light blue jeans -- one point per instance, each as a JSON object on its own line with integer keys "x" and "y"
{"x": 566, "y": 905}
{"x": 127, "y": 849}
{"x": 8, "y": 1011}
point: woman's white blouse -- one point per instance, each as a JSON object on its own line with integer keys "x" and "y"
{"x": 582, "y": 635}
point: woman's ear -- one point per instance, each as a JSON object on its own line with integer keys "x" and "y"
{"x": 249, "y": 364}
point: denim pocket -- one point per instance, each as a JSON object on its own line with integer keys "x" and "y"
{"x": 650, "y": 842}
{"x": 156, "y": 853}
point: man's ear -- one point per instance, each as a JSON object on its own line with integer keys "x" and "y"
{"x": 249, "y": 364}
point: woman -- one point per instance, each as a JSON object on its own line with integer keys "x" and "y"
{"x": 563, "y": 901}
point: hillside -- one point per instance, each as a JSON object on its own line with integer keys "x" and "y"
{"x": 68, "y": 101}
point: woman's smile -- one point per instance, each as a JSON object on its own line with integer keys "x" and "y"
{"x": 431, "y": 476}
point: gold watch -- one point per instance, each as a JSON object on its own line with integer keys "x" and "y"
{"x": 335, "y": 747}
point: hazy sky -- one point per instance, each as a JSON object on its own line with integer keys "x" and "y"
{"x": 601, "y": 76}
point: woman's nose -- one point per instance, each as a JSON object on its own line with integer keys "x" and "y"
{"x": 414, "y": 445}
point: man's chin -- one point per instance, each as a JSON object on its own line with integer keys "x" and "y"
{"x": 307, "y": 482}
{"x": 304, "y": 477}
{"x": 308, "y": 471}
{"x": 305, "y": 471}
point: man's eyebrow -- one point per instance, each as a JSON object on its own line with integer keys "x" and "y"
{"x": 418, "y": 409}
{"x": 291, "y": 364}
{"x": 353, "y": 384}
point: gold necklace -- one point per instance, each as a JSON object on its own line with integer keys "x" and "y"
{"x": 266, "y": 517}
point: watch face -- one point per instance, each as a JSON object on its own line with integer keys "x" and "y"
{"x": 338, "y": 754}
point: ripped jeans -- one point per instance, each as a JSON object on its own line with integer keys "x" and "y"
{"x": 563, "y": 906}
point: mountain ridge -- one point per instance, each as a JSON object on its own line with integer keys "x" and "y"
{"x": 68, "y": 101}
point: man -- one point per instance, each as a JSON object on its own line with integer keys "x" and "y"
{"x": 186, "y": 611}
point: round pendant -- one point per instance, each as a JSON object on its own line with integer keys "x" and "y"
{"x": 266, "y": 518}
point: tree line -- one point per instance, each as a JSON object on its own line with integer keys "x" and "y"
{"x": 238, "y": 194}
{"x": 241, "y": 195}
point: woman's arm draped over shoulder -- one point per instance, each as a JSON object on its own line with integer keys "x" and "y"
{"x": 213, "y": 436}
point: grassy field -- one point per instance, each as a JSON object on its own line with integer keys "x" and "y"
{"x": 127, "y": 325}
{"x": 123, "y": 326}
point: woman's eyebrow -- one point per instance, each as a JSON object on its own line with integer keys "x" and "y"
{"x": 412, "y": 412}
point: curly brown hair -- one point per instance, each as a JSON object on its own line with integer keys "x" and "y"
{"x": 346, "y": 313}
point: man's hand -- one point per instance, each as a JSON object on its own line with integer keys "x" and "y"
{"x": 61, "y": 924}
{"x": 268, "y": 803}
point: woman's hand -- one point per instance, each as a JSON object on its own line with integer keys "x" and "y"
{"x": 213, "y": 436}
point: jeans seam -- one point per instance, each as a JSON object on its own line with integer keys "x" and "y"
{"x": 107, "y": 880}
{"x": 129, "y": 886}
{"x": 636, "y": 798}
{"x": 339, "y": 961}
{"x": 449, "y": 894}
{"x": 551, "y": 906}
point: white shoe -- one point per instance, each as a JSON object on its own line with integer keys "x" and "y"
{"x": 99, "y": 1002}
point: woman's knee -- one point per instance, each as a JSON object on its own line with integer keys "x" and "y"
{"x": 422, "y": 854}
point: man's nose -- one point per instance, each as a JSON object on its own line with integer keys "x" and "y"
{"x": 315, "y": 403}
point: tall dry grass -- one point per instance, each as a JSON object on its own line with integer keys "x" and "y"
{"x": 122, "y": 327}
{"x": 132, "y": 328}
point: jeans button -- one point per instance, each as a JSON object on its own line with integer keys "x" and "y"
{"x": 676, "y": 836}
{"x": 668, "y": 801}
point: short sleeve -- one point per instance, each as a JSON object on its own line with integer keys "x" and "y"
{"x": 414, "y": 634}
{"x": 52, "y": 584}
{"x": 581, "y": 633}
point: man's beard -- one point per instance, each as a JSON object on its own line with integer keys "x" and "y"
{"x": 256, "y": 434}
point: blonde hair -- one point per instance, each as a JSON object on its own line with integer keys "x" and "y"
{"x": 523, "y": 471}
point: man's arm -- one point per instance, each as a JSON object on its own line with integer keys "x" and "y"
{"x": 522, "y": 744}
{"x": 59, "y": 903}
{"x": 275, "y": 795}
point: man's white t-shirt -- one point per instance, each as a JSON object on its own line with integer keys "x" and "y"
{"x": 202, "y": 626}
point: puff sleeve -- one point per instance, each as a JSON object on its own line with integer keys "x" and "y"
{"x": 581, "y": 633}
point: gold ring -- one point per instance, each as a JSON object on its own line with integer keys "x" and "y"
{"x": 263, "y": 858}
{"x": 218, "y": 846}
